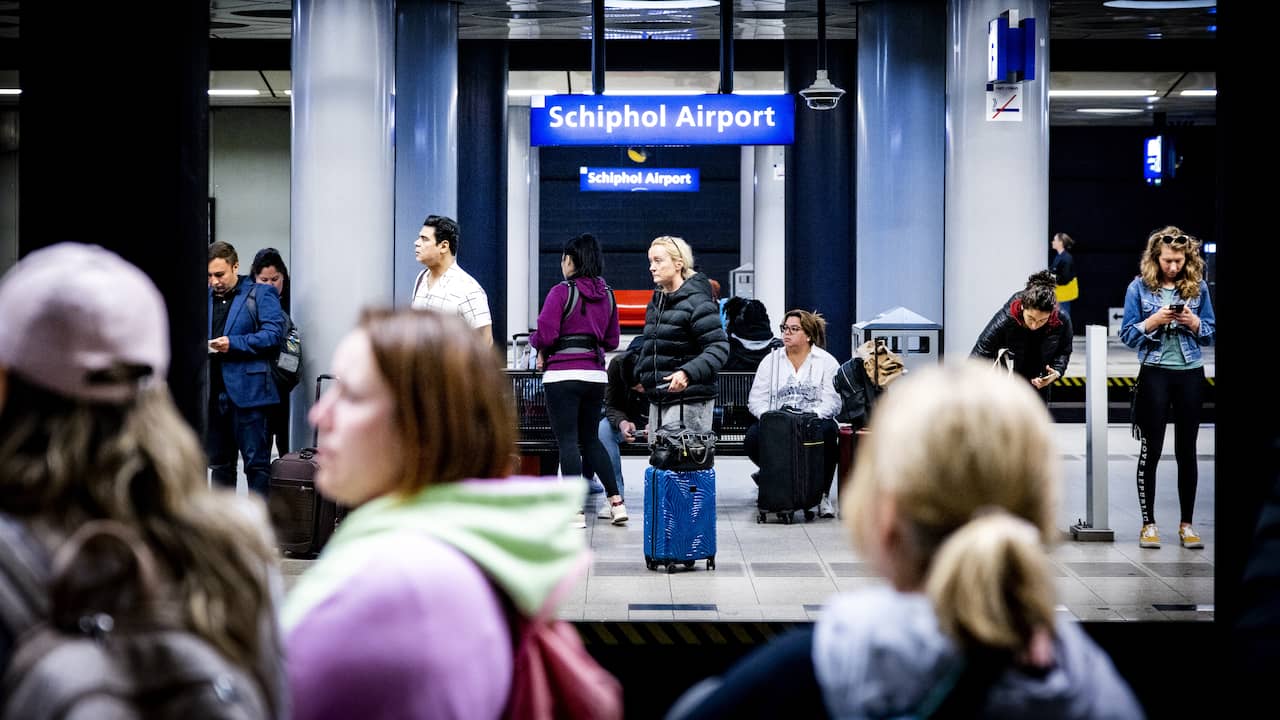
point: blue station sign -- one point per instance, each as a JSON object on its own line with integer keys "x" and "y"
{"x": 637, "y": 179}
{"x": 712, "y": 119}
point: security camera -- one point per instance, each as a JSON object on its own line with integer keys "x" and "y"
{"x": 821, "y": 95}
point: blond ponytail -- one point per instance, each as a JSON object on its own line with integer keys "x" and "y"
{"x": 991, "y": 585}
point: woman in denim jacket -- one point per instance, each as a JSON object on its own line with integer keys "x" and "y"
{"x": 1167, "y": 317}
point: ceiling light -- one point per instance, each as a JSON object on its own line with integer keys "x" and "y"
{"x": 1160, "y": 4}
{"x": 1101, "y": 93}
{"x": 1111, "y": 111}
{"x": 10, "y": 91}
{"x": 530, "y": 92}
{"x": 1199, "y": 93}
{"x": 233, "y": 93}
{"x": 659, "y": 4}
{"x": 656, "y": 91}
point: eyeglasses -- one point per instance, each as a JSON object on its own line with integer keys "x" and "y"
{"x": 1175, "y": 240}
{"x": 786, "y": 329}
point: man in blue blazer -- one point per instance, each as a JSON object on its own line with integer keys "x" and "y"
{"x": 246, "y": 326}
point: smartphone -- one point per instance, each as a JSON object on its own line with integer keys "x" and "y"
{"x": 1176, "y": 308}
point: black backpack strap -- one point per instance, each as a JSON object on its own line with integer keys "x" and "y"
{"x": 571, "y": 300}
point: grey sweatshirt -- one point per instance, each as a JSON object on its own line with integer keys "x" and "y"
{"x": 878, "y": 652}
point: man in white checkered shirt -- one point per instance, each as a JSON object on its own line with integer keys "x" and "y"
{"x": 443, "y": 285}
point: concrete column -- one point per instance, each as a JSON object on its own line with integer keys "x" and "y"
{"x": 770, "y": 222}
{"x": 900, "y": 149}
{"x": 520, "y": 179}
{"x": 425, "y": 44}
{"x": 342, "y": 238}
{"x": 997, "y": 177}
{"x": 746, "y": 208}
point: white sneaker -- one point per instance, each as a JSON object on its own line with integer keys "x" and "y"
{"x": 581, "y": 521}
{"x": 619, "y": 513}
{"x": 825, "y": 508}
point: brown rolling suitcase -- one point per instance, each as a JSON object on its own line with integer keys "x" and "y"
{"x": 302, "y": 519}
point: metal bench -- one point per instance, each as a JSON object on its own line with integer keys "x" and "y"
{"x": 534, "y": 425}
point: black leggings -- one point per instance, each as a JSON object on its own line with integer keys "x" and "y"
{"x": 574, "y": 410}
{"x": 830, "y": 448}
{"x": 1161, "y": 390}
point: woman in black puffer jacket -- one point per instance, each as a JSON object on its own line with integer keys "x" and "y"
{"x": 684, "y": 344}
{"x": 1031, "y": 327}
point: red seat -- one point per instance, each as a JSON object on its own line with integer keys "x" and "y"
{"x": 631, "y": 305}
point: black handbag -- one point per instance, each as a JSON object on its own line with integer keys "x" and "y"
{"x": 683, "y": 450}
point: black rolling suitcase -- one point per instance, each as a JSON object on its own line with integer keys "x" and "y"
{"x": 792, "y": 467}
{"x": 302, "y": 519}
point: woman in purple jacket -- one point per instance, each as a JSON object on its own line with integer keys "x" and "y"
{"x": 577, "y": 326}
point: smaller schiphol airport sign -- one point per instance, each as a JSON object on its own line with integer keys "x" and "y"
{"x": 637, "y": 179}
{"x": 713, "y": 119}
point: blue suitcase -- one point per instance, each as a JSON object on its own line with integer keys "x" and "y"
{"x": 679, "y": 518}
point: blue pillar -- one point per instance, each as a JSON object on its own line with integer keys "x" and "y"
{"x": 482, "y": 170}
{"x": 819, "y": 225}
{"x": 426, "y": 129}
{"x": 901, "y": 129}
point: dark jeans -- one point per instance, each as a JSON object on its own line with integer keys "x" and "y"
{"x": 1165, "y": 394}
{"x": 830, "y": 448}
{"x": 278, "y": 426}
{"x": 573, "y": 406}
{"x": 244, "y": 430}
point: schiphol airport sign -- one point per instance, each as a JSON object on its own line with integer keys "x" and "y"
{"x": 713, "y": 119}
{"x": 637, "y": 179}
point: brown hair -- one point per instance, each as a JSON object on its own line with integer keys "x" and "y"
{"x": 453, "y": 408}
{"x": 813, "y": 324}
{"x": 66, "y": 462}
{"x": 1065, "y": 239}
{"x": 1188, "y": 282}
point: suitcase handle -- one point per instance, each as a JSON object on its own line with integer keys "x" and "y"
{"x": 315, "y": 436}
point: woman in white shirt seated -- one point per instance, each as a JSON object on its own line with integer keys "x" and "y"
{"x": 799, "y": 375}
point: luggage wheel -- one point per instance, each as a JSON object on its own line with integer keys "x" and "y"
{"x": 671, "y": 568}
{"x": 648, "y": 562}
{"x": 809, "y": 515}
{"x": 786, "y": 518}
{"x": 711, "y": 563}
{"x": 761, "y": 517}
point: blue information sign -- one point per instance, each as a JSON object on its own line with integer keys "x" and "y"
{"x": 662, "y": 120}
{"x": 631, "y": 179}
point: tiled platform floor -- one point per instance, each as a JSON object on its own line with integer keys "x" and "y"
{"x": 785, "y": 572}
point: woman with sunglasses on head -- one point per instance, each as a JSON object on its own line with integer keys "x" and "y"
{"x": 799, "y": 375}
{"x": 1168, "y": 316}
{"x": 1031, "y": 327}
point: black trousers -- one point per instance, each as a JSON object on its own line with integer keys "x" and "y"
{"x": 573, "y": 406}
{"x": 1164, "y": 395}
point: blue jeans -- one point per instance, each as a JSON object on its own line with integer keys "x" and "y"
{"x": 234, "y": 429}
{"x": 610, "y": 439}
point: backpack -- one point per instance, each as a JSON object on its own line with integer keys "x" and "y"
{"x": 857, "y": 393}
{"x": 286, "y": 366}
{"x": 95, "y": 636}
{"x": 882, "y": 365}
{"x": 553, "y": 675}
{"x": 574, "y": 296}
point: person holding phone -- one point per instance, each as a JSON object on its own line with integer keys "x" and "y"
{"x": 1031, "y": 327}
{"x": 1168, "y": 318}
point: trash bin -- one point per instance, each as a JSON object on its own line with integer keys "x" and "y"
{"x": 917, "y": 339}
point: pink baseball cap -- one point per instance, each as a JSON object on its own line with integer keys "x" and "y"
{"x": 80, "y": 321}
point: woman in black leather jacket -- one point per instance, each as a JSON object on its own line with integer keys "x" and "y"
{"x": 1031, "y": 327}
{"x": 684, "y": 344}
